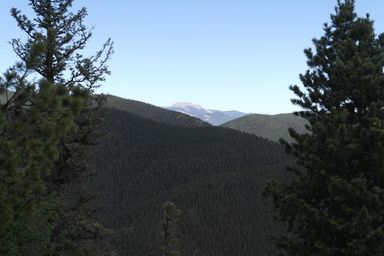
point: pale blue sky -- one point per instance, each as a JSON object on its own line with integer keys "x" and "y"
{"x": 221, "y": 54}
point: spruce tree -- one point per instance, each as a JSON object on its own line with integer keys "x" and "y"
{"x": 168, "y": 233}
{"x": 334, "y": 205}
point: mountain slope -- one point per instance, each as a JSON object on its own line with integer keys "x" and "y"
{"x": 213, "y": 174}
{"x": 272, "y": 127}
{"x": 153, "y": 112}
{"x": 215, "y": 117}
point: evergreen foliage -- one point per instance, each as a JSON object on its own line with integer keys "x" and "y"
{"x": 273, "y": 127}
{"x": 62, "y": 35}
{"x": 32, "y": 120}
{"x": 153, "y": 112}
{"x": 214, "y": 174}
{"x": 45, "y": 130}
{"x": 335, "y": 205}
{"x": 168, "y": 233}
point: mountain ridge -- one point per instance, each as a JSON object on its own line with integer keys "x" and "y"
{"x": 272, "y": 127}
{"x": 153, "y": 112}
{"x": 214, "y": 117}
{"x": 215, "y": 175}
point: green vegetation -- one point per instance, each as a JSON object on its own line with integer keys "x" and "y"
{"x": 153, "y": 113}
{"x": 213, "y": 174}
{"x": 272, "y": 127}
{"x": 168, "y": 234}
{"x": 45, "y": 126}
{"x": 335, "y": 205}
{"x": 330, "y": 200}
{"x": 31, "y": 124}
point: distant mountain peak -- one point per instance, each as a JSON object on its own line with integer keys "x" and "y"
{"x": 152, "y": 112}
{"x": 184, "y": 104}
{"x": 215, "y": 117}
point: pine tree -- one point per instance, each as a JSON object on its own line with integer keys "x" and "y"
{"x": 33, "y": 118}
{"x": 63, "y": 35}
{"x": 335, "y": 204}
{"x": 168, "y": 234}
{"x": 58, "y": 115}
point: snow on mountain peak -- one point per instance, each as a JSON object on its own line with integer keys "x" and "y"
{"x": 214, "y": 117}
{"x": 186, "y": 105}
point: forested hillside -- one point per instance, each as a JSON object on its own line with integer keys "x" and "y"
{"x": 153, "y": 112}
{"x": 81, "y": 176}
{"x": 272, "y": 127}
{"x": 213, "y": 174}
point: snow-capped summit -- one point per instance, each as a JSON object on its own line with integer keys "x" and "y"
{"x": 215, "y": 117}
{"x": 186, "y": 105}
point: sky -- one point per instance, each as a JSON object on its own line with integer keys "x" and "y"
{"x": 221, "y": 54}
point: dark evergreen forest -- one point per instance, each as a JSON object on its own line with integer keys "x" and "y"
{"x": 215, "y": 176}
{"x": 153, "y": 112}
{"x": 82, "y": 174}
